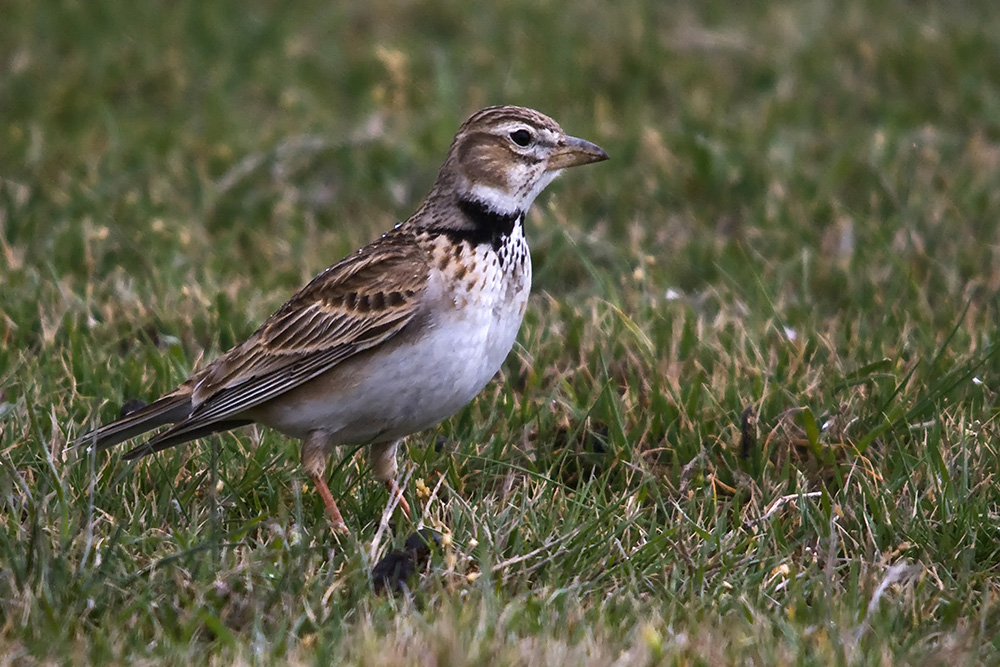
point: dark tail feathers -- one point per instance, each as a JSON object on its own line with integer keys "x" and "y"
{"x": 167, "y": 410}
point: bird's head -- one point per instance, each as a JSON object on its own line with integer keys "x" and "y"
{"x": 504, "y": 156}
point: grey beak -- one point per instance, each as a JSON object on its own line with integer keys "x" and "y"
{"x": 574, "y": 152}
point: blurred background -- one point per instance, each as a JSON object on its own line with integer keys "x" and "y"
{"x": 828, "y": 149}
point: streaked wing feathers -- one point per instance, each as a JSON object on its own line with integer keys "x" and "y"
{"x": 353, "y": 306}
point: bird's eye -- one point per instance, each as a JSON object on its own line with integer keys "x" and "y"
{"x": 521, "y": 137}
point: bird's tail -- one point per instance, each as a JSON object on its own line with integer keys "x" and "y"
{"x": 170, "y": 409}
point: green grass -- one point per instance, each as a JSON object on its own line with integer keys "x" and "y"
{"x": 800, "y": 217}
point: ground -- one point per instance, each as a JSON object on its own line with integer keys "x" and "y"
{"x": 752, "y": 413}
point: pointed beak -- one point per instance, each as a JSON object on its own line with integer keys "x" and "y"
{"x": 573, "y": 152}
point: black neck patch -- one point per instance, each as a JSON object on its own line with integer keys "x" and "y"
{"x": 485, "y": 226}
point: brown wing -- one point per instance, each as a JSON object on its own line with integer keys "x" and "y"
{"x": 353, "y": 306}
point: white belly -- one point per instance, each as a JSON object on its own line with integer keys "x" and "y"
{"x": 420, "y": 377}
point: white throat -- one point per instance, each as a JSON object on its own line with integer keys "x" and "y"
{"x": 510, "y": 203}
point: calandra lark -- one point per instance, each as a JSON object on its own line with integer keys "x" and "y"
{"x": 401, "y": 334}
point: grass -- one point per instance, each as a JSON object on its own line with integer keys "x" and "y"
{"x": 799, "y": 218}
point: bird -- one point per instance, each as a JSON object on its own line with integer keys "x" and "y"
{"x": 396, "y": 337}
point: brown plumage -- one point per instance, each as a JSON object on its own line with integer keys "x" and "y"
{"x": 395, "y": 337}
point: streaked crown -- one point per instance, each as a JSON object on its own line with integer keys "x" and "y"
{"x": 504, "y": 156}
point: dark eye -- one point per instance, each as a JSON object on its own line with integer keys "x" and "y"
{"x": 521, "y": 137}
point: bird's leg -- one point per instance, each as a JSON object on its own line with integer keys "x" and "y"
{"x": 384, "y": 468}
{"x": 336, "y": 518}
{"x": 314, "y": 452}
{"x": 397, "y": 493}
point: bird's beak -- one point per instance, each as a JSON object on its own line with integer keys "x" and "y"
{"x": 573, "y": 152}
